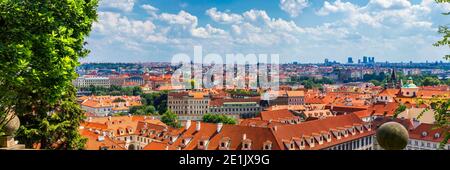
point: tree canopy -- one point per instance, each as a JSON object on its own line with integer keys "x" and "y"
{"x": 40, "y": 45}
{"x": 170, "y": 119}
{"x": 216, "y": 118}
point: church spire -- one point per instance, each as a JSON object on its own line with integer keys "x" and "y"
{"x": 393, "y": 75}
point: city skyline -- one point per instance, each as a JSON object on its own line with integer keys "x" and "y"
{"x": 299, "y": 30}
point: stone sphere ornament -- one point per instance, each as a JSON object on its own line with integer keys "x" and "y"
{"x": 12, "y": 126}
{"x": 392, "y": 136}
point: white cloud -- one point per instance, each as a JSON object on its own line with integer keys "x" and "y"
{"x": 255, "y": 15}
{"x": 380, "y": 13}
{"x": 112, "y": 23}
{"x": 124, "y": 5}
{"x": 189, "y": 23}
{"x": 223, "y": 17}
{"x": 293, "y": 7}
{"x": 151, "y": 10}
{"x": 337, "y": 6}
{"x": 182, "y": 18}
{"x": 202, "y": 32}
{"x": 390, "y": 4}
{"x": 377, "y": 28}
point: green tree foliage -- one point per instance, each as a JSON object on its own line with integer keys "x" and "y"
{"x": 170, "y": 119}
{"x": 242, "y": 92}
{"x": 376, "y": 82}
{"x": 379, "y": 77}
{"x": 157, "y": 99}
{"x": 40, "y": 45}
{"x": 401, "y": 108}
{"x": 142, "y": 110}
{"x": 216, "y": 118}
{"x": 115, "y": 91}
{"x": 310, "y": 82}
{"x": 430, "y": 81}
{"x": 118, "y": 100}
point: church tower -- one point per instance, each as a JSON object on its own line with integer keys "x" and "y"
{"x": 393, "y": 82}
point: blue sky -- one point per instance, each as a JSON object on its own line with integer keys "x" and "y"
{"x": 307, "y": 31}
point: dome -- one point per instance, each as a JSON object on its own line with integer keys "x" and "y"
{"x": 409, "y": 86}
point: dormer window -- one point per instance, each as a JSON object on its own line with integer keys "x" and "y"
{"x": 424, "y": 134}
{"x": 309, "y": 141}
{"x": 224, "y": 144}
{"x": 247, "y": 144}
{"x": 345, "y": 133}
{"x": 352, "y": 130}
{"x": 267, "y": 145}
{"x": 437, "y": 135}
{"x": 185, "y": 142}
{"x": 368, "y": 127}
{"x": 173, "y": 139}
{"x": 203, "y": 143}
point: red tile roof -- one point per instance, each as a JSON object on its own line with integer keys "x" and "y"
{"x": 428, "y": 132}
{"x": 278, "y": 115}
{"x": 317, "y": 127}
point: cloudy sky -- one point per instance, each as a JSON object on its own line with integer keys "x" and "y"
{"x": 307, "y": 31}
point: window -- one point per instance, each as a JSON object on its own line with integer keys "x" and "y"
{"x": 436, "y": 135}
{"x": 424, "y": 134}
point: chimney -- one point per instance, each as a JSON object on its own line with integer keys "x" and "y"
{"x": 188, "y": 124}
{"x": 198, "y": 126}
{"x": 244, "y": 136}
{"x": 90, "y": 119}
{"x": 129, "y": 115}
{"x": 109, "y": 118}
{"x": 219, "y": 127}
{"x": 167, "y": 147}
{"x": 274, "y": 128}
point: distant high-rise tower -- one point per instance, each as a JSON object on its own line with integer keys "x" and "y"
{"x": 364, "y": 59}
{"x": 350, "y": 60}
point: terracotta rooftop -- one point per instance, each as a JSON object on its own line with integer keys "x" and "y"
{"x": 278, "y": 115}
{"x": 313, "y": 128}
